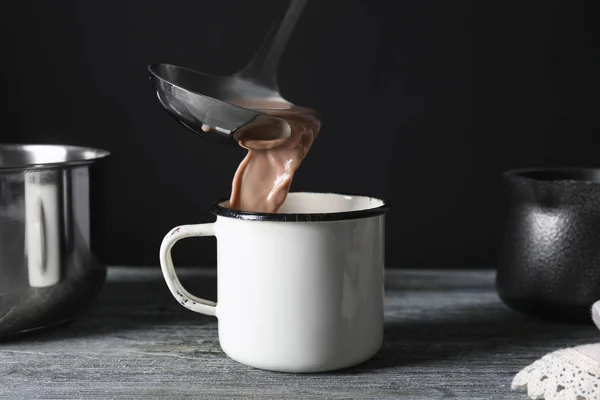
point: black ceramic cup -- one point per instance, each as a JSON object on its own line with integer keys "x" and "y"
{"x": 549, "y": 263}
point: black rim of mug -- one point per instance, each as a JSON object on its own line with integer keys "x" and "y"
{"x": 221, "y": 211}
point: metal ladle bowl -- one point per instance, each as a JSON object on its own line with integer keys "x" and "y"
{"x": 210, "y": 106}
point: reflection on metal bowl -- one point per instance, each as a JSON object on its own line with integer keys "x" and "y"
{"x": 51, "y": 234}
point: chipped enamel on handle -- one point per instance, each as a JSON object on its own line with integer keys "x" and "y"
{"x": 185, "y": 298}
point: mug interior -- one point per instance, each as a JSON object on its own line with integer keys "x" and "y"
{"x": 305, "y": 206}
{"x": 320, "y": 203}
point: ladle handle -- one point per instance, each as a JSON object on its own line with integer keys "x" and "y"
{"x": 263, "y": 68}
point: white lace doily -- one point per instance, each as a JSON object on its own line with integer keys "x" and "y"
{"x": 566, "y": 374}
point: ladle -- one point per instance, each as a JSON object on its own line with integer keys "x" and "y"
{"x": 211, "y": 106}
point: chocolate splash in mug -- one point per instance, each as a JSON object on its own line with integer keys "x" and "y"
{"x": 276, "y": 148}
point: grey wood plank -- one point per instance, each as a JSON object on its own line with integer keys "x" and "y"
{"x": 447, "y": 336}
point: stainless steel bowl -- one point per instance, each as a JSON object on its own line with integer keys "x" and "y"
{"x": 51, "y": 234}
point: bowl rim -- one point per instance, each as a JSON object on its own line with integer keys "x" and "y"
{"x": 530, "y": 173}
{"x": 97, "y": 154}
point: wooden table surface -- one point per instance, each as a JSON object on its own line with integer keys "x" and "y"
{"x": 447, "y": 336}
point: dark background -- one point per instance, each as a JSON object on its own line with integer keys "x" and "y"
{"x": 425, "y": 103}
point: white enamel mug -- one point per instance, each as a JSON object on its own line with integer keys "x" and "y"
{"x": 298, "y": 291}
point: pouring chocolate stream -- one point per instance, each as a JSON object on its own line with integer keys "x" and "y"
{"x": 263, "y": 179}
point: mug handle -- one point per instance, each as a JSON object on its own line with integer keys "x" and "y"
{"x": 184, "y": 297}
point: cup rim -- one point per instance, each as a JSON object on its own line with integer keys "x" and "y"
{"x": 220, "y": 211}
{"x": 555, "y": 174}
